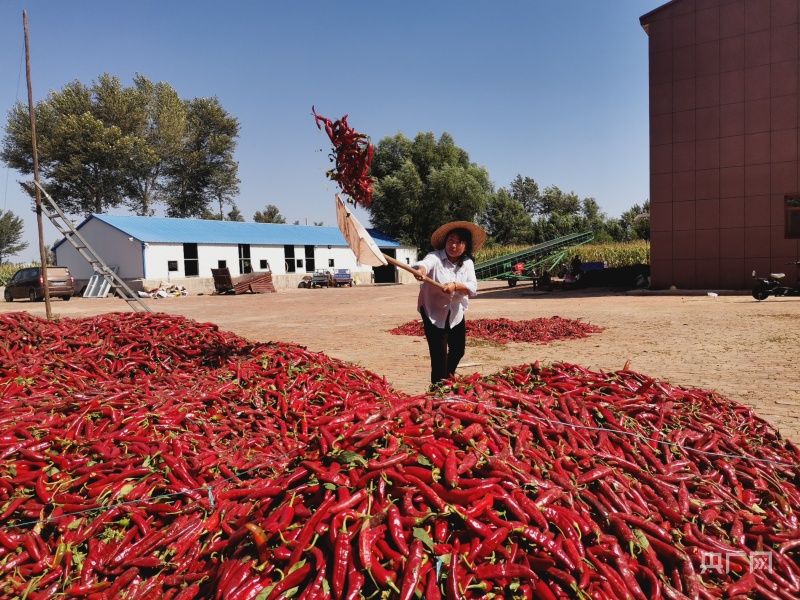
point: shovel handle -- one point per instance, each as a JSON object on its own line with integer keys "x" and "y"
{"x": 414, "y": 272}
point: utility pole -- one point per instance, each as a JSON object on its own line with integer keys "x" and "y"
{"x": 42, "y": 251}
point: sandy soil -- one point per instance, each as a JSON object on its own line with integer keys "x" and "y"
{"x": 731, "y": 344}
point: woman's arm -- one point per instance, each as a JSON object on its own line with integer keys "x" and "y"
{"x": 470, "y": 282}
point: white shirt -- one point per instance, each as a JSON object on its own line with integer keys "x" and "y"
{"x": 435, "y": 302}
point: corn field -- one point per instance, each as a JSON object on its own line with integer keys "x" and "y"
{"x": 619, "y": 254}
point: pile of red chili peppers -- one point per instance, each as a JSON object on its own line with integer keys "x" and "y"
{"x": 503, "y": 331}
{"x": 352, "y": 157}
{"x": 150, "y": 456}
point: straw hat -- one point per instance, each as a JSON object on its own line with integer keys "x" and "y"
{"x": 440, "y": 235}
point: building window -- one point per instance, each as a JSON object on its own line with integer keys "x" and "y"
{"x": 793, "y": 217}
{"x": 264, "y": 265}
{"x": 330, "y": 262}
{"x": 222, "y": 264}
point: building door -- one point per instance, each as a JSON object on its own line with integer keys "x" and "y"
{"x": 191, "y": 262}
{"x": 288, "y": 256}
{"x": 245, "y": 266}
{"x": 310, "y": 263}
{"x": 388, "y": 273}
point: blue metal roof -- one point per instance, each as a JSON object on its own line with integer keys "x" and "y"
{"x": 201, "y": 231}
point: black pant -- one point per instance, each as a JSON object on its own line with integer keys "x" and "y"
{"x": 446, "y": 347}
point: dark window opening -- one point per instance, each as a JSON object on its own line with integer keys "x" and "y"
{"x": 288, "y": 254}
{"x": 299, "y": 263}
{"x": 191, "y": 263}
{"x": 793, "y": 217}
{"x": 222, "y": 264}
{"x": 263, "y": 265}
{"x": 309, "y": 252}
{"x": 330, "y": 262}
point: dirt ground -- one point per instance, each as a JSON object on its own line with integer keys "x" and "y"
{"x": 731, "y": 344}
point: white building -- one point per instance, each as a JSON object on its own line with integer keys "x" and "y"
{"x": 148, "y": 251}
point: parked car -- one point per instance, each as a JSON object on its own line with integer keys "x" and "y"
{"x": 321, "y": 278}
{"x": 28, "y": 283}
{"x": 343, "y": 277}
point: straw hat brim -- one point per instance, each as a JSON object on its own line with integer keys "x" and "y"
{"x": 440, "y": 235}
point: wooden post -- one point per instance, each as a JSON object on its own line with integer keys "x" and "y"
{"x": 42, "y": 250}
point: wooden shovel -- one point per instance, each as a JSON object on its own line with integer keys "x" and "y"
{"x": 364, "y": 247}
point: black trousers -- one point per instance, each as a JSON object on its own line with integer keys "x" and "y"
{"x": 446, "y": 347}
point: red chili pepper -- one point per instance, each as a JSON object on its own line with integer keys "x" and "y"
{"x": 432, "y": 591}
{"x": 77, "y": 590}
{"x": 451, "y": 468}
{"x": 349, "y": 502}
{"x": 292, "y": 579}
{"x": 355, "y": 582}
{"x": 341, "y": 563}
{"x": 548, "y": 544}
{"x": 452, "y": 583}
{"x": 490, "y": 543}
{"x": 122, "y": 582}
{"x": 308, "y": 529}
{"x": 260, "y": 542}
{"x": 427, "y": 492}
{"x": 504, "y": 571}
{"x": 396, "y": 529}
{"x": 411, "y": 571}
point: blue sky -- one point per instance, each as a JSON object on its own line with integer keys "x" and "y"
{"x": 555, "y": 90}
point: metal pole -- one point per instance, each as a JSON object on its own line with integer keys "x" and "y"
{"x": 39, "y": 223}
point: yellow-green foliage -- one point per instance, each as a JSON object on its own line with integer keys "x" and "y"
{"x": 492, "y": 252}
{"x": 614, "y": 254}
{"x": 7, "y": 271}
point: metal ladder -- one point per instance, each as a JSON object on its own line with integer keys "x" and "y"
{"x": 67, "y": 229}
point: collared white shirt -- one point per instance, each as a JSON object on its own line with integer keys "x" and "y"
{"x": 435, "y": 302}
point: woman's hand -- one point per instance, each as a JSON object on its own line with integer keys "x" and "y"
{"x": 421, "y": 272}
{"x": 450, "y": 288}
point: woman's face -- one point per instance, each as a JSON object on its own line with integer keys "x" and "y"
{"x": 454, "y": 246}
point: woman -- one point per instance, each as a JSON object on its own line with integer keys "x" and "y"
{"x": 442, "y": 309}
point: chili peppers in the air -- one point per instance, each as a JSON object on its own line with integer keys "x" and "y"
{"x": 352, "y": 157}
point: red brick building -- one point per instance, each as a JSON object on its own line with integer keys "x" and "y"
{"x": 724, "y": 168}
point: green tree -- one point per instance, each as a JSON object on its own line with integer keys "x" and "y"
{"x": 422, "y": 184}
{"x": 205, "y": 171}
{"x": 506, "y": 220}
{"x": 107, "y": 145}
{"x": 271, "y": 214}
{"x": 592, "y": 218}
{"x": 79, "y": 156}
{"x": 554, "y": 201}
{"x": 526, "y": 192}
{"x": 11, "y": 228}
{"x": 156, "y": 124}
{"x": 234, "y": 215}
{"x": 632, "y": 228}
